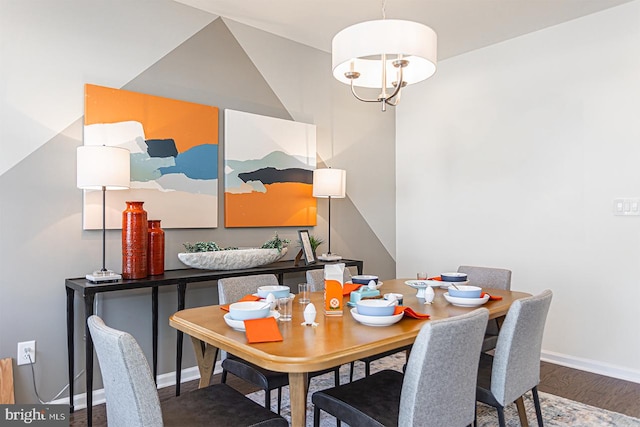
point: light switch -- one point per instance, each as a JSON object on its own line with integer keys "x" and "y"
{"x": 626, "y": 207}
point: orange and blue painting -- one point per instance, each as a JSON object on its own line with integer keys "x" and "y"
{"x": 269, "y": 166}
{"x": 174, "y": 157}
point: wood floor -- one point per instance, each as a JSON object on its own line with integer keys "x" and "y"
{"x": 592, "y": 389}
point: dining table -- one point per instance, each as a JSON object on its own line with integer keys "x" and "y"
{"x": 334, "y": 341}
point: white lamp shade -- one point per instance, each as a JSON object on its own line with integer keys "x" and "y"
{"x": 103, "y": 166}
{"x": 330, "y": 183}
{"x": 360, "y": 46}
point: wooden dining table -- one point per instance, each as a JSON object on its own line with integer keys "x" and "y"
{"x": 334, "y": 341}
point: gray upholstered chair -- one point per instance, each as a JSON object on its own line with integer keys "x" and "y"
{"x": 514, "y": 369}
{"x": 231, "y": 290}
{"x": 316, "y": 279}
{"x": 438, "y": 388}
{"x": 487, "y": 277}
{"x": 132, "y": 397}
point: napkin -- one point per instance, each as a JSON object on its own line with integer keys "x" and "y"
{"x": 438, "y": 278}
{"x": 491, "y": 297}
{"x": 408, "y": 312}
{"x": 347, "y": 288}
{"x": 244, "y": 298}
{"x": 262, "y": 330}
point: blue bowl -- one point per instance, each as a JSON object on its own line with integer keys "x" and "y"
{"x": 464, "y": 291}
{"x": 277, "y": 291}
{"x": 364, "y": 279}
{"x": 375, "y": 307}
{"x": 453, "y": 277}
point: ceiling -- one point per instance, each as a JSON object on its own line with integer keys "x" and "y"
{"x": 461, "y": 25}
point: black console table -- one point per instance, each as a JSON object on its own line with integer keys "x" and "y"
{"x": 180, "y": 278}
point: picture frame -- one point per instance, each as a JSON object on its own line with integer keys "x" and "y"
{"x": 309, "y": 256}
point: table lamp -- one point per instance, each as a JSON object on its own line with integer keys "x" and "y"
{"x": 102, "y": 167}
{"x": 329, "y": 183}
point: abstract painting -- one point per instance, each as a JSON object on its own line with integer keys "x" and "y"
{"x": 269, "y": 166}
{"x": 174, "y": 157}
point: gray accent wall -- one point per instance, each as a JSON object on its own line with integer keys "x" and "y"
{"x": 41, "y": 236}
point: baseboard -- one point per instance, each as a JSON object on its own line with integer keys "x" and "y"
{"x": 164, "y": 380}
{"x": 592, "y": 366}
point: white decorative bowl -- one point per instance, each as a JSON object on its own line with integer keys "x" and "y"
{"x": 231, "y": 259}
{"x": 245, "y": 310}
{"x": 277, "y": 291}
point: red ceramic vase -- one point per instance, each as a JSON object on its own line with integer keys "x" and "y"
{"x": 135, "y": 234}
{"x": 155, "y": 255}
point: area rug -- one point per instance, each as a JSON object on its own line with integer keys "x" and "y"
{"x": 556, "y": 411}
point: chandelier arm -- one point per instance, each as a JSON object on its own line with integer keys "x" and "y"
{"x": 353, "y": 91}
{"x": 397, "y": 89}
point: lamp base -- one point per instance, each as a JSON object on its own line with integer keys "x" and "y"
{"x": 101, "y": 276}
{"x": 329, "y": 257}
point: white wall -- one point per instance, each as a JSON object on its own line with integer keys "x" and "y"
{"x": 511, "y": 156}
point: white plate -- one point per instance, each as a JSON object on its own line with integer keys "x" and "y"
{"x": 376, "y": 320}
{"x": 421, "y": 284}
{"x": 466, "y": 302}
{"x": 377, "y": 286}
{"x": 238, "y": 325}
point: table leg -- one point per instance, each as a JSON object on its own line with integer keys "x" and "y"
{"x": 182, "y": 290}
{"x": 70, "y": 344}
{"x": 522, "y": 413}
{"x": 154, "y": 321}
{"x": 206, "y": 358}
{"x": 298, "y": 387}
{"x": 88, "y": 312}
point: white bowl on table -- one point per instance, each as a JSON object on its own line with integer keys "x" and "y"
{"x": 376, "y": 320}
{"x": 245, "y": 310}
{"x": 276, "y": 290}
{"x": 464, "y": 291}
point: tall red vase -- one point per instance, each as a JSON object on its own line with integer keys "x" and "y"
{"x": 135, "y": 238}
{"x": 155, "y": 250}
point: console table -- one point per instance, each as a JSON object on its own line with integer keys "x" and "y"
{"x": 181, "y": 278}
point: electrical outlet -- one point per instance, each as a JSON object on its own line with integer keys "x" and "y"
{"x": 26, "y": 349}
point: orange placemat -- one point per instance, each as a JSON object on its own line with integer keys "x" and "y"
{"x": 347, "y": 288}
{"x": 491, "y": 297}
{"x": 408, "y": 312}
{"x": 244, "y": 298}
{"x": 262, "y": 330}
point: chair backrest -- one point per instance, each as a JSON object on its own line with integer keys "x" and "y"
{"x": 231, "y": 289}
{"x": 316, "y": 278}
{"x": 132, "y": 397}
{"x": 487, "y": 277}
{"x": 516, "y": 362}
{"x": 439, "y": 387}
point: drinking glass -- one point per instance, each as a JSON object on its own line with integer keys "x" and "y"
{"x": 304, "y": 291}
{"x": 285, "y": 307}
{"x": 422, "y": 276}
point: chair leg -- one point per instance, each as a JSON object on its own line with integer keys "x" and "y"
{"x": 367, "y": 368}
{"x": 336, "y": 380}
{"x": 536, "y": 402}
{"x": 223, "y": 377}
{"x": 279, "y": 399}
{"x": 267, "y": 399}
{"x": 522, "y": 412}
{"x": 351, "y": 368}
{"x": 501, "y": 417}
{"x": 316, "y": 416}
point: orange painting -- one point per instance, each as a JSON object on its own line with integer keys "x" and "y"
{"x": 269, "y": 167}
{"x": 173, "y": 148}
